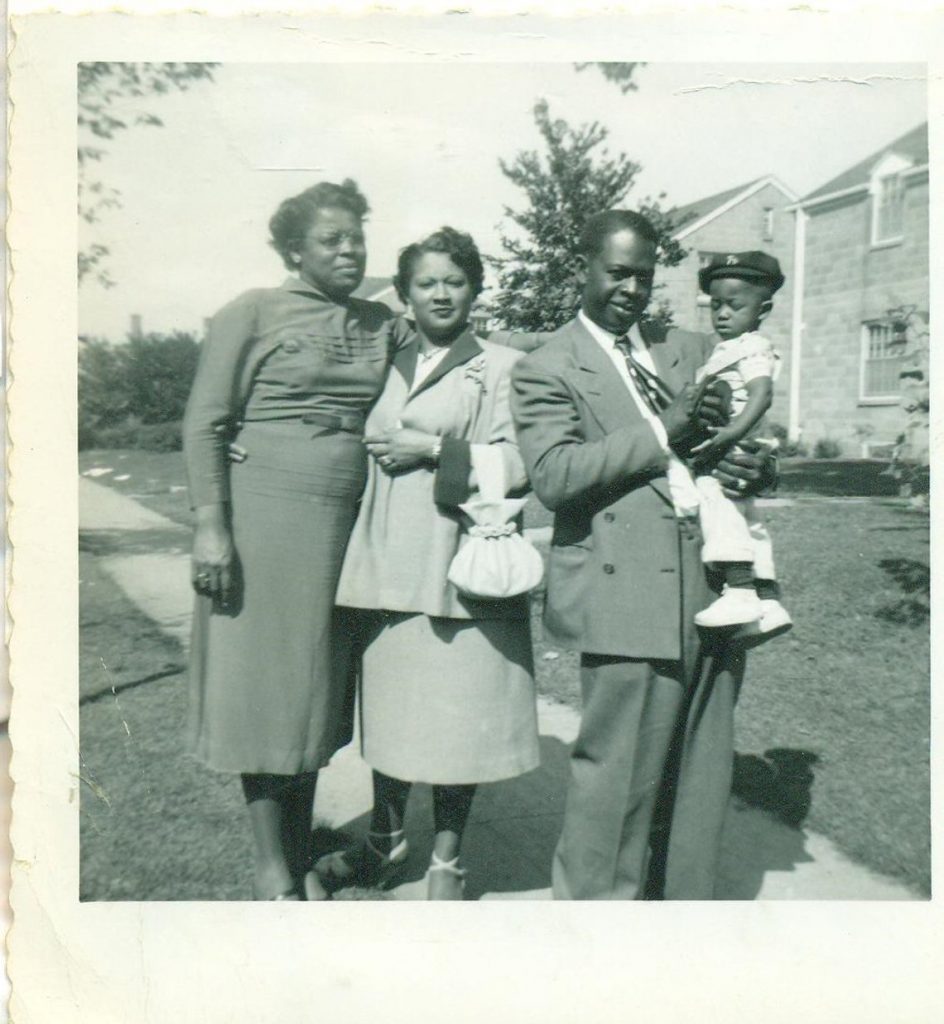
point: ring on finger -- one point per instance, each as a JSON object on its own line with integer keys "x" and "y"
{"x": 203, "y": 578}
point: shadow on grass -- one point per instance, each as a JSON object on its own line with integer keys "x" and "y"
{"x": 779, "y": 783}
{"x": 837, "y": 477}
{"x": 914, "y": 578}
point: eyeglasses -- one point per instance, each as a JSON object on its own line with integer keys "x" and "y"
{"x": 336, "y": 239}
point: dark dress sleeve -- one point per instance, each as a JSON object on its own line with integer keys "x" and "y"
{"x": 216, "y": 399}
{"x": 451, "y": 486}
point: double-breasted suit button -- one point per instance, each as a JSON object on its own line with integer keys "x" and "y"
{"x": 608, "y": 517}
{"x": 609, "y": 569}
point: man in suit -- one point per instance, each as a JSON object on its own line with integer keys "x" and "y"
{"x": 598, "y": 428}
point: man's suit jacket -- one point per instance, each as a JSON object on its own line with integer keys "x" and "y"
{"x": 615, "y": 569}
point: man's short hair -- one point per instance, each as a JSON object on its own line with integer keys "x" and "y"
{"x": 600, "y": 226}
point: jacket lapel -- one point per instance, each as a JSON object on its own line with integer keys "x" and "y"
{"x": 464, "y": 348}
{"x": 610, "y": 401}
{"x": 664, "y": 354}
{"x": 404, "y": 361}
{"x": 597, "y": 378}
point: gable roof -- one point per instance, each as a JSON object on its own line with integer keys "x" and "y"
{"x": 372, "y": 286}
{"x": 693, "y": 216}
{"x": 380, "y": 289}
{"x": 912, "y": 146}
{"x": 684, "y": 215}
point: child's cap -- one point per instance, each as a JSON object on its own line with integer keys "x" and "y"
{"x": 749, "y": 266}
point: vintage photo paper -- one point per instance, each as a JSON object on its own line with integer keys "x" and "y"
{"x": 810, "y": 139}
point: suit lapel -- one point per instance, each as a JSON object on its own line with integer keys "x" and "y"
{"x": 611, "y": 404}
{"x": 610, "y": 401}
{"x": 664, "y": 354}
{"x": 464, "y": 348}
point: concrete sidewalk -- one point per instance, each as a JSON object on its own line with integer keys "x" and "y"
{"x": 515, "y": 824}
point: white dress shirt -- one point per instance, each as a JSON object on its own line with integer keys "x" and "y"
{"x": 681, "y": 485}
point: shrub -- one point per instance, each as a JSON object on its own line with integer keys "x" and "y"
{"x": 149, "y": 437}
{"x": 788, "y": 449}
{"x": 160, "y": 437}
{"x": 827, "y": 448}
{"x": 133, "y": 395}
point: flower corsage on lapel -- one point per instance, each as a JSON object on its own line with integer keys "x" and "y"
{"x": 473, "y": 375}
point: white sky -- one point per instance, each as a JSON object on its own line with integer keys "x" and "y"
{"x": 423, "y": 141}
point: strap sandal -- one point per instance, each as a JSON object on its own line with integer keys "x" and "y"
{"x": 364, "y": 865}
{"x": 450, "y": 887}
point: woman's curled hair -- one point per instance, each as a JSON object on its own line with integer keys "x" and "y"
{"x": 292, "y": 220}
{"x": 457, "y": 245}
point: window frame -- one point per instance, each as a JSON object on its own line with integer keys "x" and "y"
{"x": 892, "y": 166}
{"x": 864, "y": 358}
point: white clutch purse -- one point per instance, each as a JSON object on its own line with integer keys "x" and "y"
{"x": 495, "y": 560}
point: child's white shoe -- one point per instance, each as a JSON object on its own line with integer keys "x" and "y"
{"x": 774, "y": 621}
{"x": 774, "y": 618}
{"x": 736, "y": 607}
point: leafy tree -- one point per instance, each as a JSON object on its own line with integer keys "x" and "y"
{"x": 563, "y": 187}
{"x": 103, "y": 396}
{"x": 108, "y": 95}
{"x": 160, "y": 372}
{"x": 145, "y": 380}
{"x": 621, "y": 74}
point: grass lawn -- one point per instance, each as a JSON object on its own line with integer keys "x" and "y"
{"x": 154, "y": 825}
{"x": 832, "y": 725}
{"x": 156, "y": 479}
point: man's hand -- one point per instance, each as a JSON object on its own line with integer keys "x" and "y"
{"x": 686, "y": 419}
{"x": 747, "y": 470}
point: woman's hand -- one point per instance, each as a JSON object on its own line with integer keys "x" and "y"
{"x": 211, "y": 569}
{"x": 404, "y": 448}
{"x": 747, "y": 470}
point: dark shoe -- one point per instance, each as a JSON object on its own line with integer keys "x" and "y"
{"x": 365, "y": 865}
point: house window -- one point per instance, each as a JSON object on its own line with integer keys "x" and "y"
{"x": 768, "y": 223}
{"x": 888, "y": 207}
{"x": 882, "y": 360}
{"x": 704, "y": 258}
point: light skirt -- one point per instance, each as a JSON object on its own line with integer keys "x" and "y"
{"x": 448, "y": 701}
{"x": 270, "y": 681}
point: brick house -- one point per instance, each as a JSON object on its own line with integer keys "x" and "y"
{"x": 751, "y": 216}
{"x": 862, "y": 257}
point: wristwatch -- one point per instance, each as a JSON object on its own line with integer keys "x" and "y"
{"x": 436, "y": 451}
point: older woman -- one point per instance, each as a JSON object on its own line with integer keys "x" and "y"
{"x": 288, "y": 374}
{"x": 447, "y": 693}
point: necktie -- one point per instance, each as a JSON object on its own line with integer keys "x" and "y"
{"x": 655, "y": 392}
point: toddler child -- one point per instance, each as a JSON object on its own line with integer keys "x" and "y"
{"x": 741, "y": 287}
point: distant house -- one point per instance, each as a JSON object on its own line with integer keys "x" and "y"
{"x": 380, "y": 289}
{"x": 862, "y": 257}
{"x": 751, "y": 216}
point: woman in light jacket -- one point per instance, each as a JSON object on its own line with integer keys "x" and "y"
{"x": 447, "y": 686}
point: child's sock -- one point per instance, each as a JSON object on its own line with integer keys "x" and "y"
{"x": 767, "y": 590}
{"x": 739, "y": 575}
